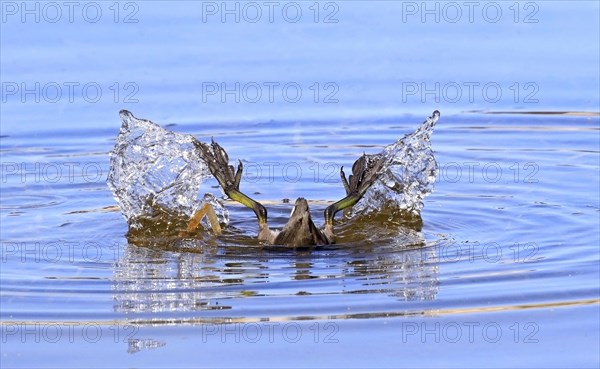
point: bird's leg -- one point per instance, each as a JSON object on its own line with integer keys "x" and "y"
{"x": 365, "y": 172}
{"x": 346, "y": 187}
{"x": 344, "y": 181}
{"x": 218, "y": 163}
{"x": 208, "y": 211}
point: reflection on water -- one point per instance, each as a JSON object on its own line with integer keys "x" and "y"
{"x": 213, "y": 278}
{"x": 137, "y": 345}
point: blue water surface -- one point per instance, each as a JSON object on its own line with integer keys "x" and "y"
{"x": 505, "y": 272}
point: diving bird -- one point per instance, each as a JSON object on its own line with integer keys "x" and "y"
{"x": 299, "y": 231}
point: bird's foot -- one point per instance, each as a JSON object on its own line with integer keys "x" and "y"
{"x": 205, "y": 210}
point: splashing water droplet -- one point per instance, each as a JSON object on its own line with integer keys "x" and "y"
{"x": 407, "y": 176}
{"x": 156, "y": 174}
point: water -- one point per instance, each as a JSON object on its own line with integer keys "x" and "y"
{"x": 155, "y": 176}
{"x": 408, "y": 174}
{"x": 501, "y": 270}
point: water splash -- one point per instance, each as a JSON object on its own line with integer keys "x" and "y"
{"x": 155, "y": 175}
{"x": 407, "y": 176}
